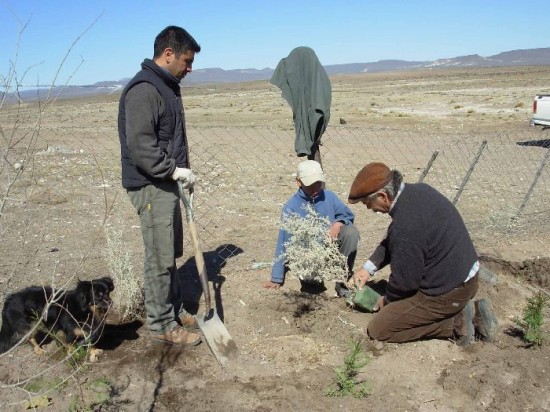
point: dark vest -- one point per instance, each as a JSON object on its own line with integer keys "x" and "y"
{"x": 170, "y": 129}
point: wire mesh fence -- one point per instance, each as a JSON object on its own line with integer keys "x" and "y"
{"x": 499, "y": 182}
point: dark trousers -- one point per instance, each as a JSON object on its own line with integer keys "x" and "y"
{"x": 421, "y": 316}
{"x": 348, "y": 238}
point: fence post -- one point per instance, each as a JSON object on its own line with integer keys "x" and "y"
{"x": 535, "y": 180}
{"x": 472, "y": 166}
{"x": 428, "y": 166}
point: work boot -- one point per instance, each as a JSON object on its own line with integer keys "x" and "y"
{"x": 177, "y": 336}
{"x": 189, "y": 322}
{"x": 463, "y": 327}
{"x": 485, "y": 321}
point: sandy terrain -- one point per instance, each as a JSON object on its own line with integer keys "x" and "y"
{"x": 53, "y": 230}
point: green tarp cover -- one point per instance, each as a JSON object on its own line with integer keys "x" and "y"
{"x": 306, "y": 87}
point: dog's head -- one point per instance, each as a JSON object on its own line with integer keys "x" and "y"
{"x": 96, "y": 295}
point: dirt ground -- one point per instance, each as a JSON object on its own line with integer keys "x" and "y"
{"x": 289, "y": 341}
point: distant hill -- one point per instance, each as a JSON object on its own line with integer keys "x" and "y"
{"x": 530, "y": 57}
{"x": 527, "y": 57}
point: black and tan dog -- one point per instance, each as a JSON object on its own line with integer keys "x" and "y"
{"x": 79, "y": 315}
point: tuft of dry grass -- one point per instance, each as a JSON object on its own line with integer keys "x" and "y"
{"x": 127, "y": 296}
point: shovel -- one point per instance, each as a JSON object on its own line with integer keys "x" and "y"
{"x": 215, "y": 333}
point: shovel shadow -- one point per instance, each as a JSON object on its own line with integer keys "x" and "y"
{"x": 540, "y": 143}
{"x": 186, "y": 286}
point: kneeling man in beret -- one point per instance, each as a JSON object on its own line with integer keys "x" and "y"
{"x": 433, "y": 263}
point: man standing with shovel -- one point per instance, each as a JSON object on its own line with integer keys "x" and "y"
{"x": 154, "y": 157}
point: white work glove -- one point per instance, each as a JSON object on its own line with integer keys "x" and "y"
{"x": 184, "y": 175}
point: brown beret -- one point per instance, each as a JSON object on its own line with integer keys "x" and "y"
{"x": 370, "y": 178}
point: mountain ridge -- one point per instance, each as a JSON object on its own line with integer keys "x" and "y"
{"x": 216, "y": 75}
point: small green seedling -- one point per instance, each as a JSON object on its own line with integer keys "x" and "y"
{"x": 77, "y": 355}
{"x": 346, "y": 376}
{"x": 533, "y": 319}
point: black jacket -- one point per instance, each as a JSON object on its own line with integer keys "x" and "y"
{"x": 427, "y": 245}
{"x": 151, "y": 127}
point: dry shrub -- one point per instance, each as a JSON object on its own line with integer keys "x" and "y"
{"x": 127, "y": 296}
{"x": 310, "y": 253}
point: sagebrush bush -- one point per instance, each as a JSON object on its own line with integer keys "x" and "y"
{"x": 310, "y": 253}
{"x": 127, "y": 296}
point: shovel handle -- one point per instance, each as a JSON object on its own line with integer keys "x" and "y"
{"x": 199, "y": 257}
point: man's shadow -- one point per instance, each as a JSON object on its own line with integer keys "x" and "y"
{"x": 115, "y": 334}
{"x": 186, "y": 283}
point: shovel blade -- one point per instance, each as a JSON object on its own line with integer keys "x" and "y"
{"x": 217, "y": 337}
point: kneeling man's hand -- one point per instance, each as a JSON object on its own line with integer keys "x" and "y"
{"x": 379, "y": 304}
{"x": 361, "y": 277}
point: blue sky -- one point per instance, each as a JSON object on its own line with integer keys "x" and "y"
{"x": 242, "y": 34}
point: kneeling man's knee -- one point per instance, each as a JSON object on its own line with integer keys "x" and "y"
{"x": 376, "y": 330}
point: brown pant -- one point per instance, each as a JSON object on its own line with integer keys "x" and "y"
{"x": 421, "y": 316}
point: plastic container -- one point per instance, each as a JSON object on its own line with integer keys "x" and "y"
{"x": 364, "y": 299}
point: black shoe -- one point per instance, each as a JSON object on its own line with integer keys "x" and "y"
{"x": 312, "y": 286}
{"x": 342, "y": 291}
